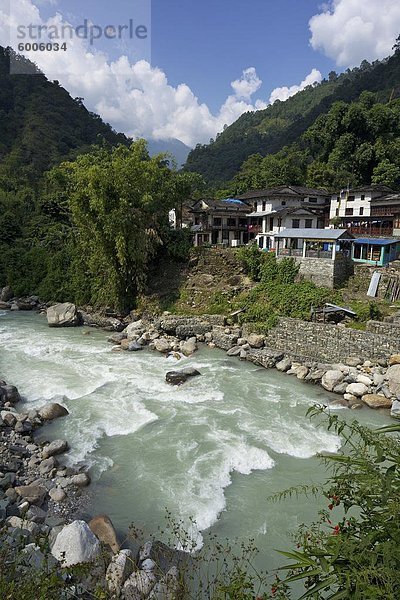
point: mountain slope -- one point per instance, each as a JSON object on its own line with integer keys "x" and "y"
{"x": 268, "y": 131}
{"x": 40, "y": 124}
{"x": 178, "y": 149}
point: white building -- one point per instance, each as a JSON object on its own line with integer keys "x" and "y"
{"x": 285, "y": 207}
{"x": 353, "y": 207}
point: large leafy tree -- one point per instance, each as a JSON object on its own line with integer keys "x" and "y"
{"x": 119, "y": 200}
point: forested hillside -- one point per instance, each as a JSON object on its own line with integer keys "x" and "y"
{"x": 40, "y": 124}
{"x": 268, "y": 131}
{"x": 355, "y": 143}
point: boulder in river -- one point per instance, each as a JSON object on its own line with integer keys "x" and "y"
{"x": 104, "y": 530}
{"x": 376, "y": 401}
{"x": 55, "y": 447}
{"x": 76, "y": 544}
{"x": 395, "y": 410}
{"x": 63, "y": 315}
{"x": 51, "y": 411}
{"x": 393, "y": 377}
{"x": 179, "y": 377}
{"x": 331, "y": 379}
{"x": 189, "y": 346}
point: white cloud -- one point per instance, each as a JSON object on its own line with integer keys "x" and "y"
{"x": 283, "y": 93}
{"x": 136, "y": 98}
{"x": 349, "y": 31}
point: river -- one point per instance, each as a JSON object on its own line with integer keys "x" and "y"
{"x": 212, "y": 450}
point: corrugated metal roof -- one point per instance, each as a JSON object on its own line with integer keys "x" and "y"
{"x": 314, "y": 234}
{"x": 375, "y": 241}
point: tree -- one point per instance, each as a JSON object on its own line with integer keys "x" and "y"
{"x": 119, "y": 201}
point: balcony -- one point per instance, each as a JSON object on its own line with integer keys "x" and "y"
{"x": 371, "y": 231}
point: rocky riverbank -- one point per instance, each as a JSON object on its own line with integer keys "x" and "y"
{"x": 40, "y": 499}
{"x": 358, "y": 383}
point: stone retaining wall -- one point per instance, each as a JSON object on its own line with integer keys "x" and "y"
{"x": 330, "y": 343}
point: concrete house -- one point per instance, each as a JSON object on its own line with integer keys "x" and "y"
{"x": 220, "y": 222}
{"x": 285, "y": 207}
{"x": 353, "y": 209}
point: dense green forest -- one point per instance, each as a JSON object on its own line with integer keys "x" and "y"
{"x": 352, "y": 144}
{"x": 83, "y": 210}
{"x": 283, "y": 123}
{"x": 40, "y": 124}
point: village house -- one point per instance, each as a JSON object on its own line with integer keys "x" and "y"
{"x": 219, "y": 222}
{"x": 286, "y": 206}
{"x": 364, "y": 211}
{"x": 324, "y": 255}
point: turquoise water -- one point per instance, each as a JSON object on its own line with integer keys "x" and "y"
{"x": 212, "y": 450}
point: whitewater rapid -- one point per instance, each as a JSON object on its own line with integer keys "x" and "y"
{"x": 152, "y": 446}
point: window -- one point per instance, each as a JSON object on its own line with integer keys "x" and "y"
{"x": 231, "y": 222}
{"x": 362, "y": 196}
{"x": 349, "y": 212}
{"x": 351, "y": 198}
{"x": 242, "y": 222}
{"x": 283, "y": 203}
{"x": 217, "y": 222}
{"x": 296, "y": 223}
{"x": 271, "y": 223}
{"x": 337, "y": 212}
{"x": 308, "y": 223}
{"x": 263, "y": 205}
{"x": 361, "y": 211}
{"x": 313, "y": 200}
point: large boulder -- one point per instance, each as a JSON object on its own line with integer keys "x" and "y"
{"x": 179, "y": 377}
{"x": 376, "y": 401}
{"x": 139, "y": 585}
{"x": 9, "y": 393}
{"x": 168, "y": 586}
{"x": 76, "y": 544}
{"x": 264, "y": 357}
{"x": 134, "y": 329}
{"x": 255, "y": 340}
{"x": 51, "y": 411}
{"x": 189, "y": 346}
{"x": 162, "y": 345}
{"x": 331, "y": 379}
{"x": 395, "y": 410}
{"x": 357, "y": 389}
{"x": 393, "y": 377}
{"x": 54, "y": 448}
{"x": 103, "y": 529}
{"x": 394, "y": 360}
{"x": 34, "y": 494}
{"x": 63, "y": 315}
{"x": 6, "y": 294}
{"x": 119, "y": 569}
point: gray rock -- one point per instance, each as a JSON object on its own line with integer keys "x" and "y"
{"x": 357, "y": 389}
{"x": 179, "y": 377}
{"x": 255, "y": 340}
{"x": 54, "y": 448}
{"x": 47, "y": 465}
{"x": 284, "y": 364}
{"x": 6, "y": 293}
{"x": 316, "y": 375}
{"x": 393, "y": 377}
{"x": 168, "y": 586}
{"x": 80, "y": 480}
{"x": 116, "y": 338}
{"x": 36, "y": 514}
{"x": 139, "y": 585}
{"x": 135, "y": 347}
{"x": 34, "y": 494}
{"x": 118, "y": 571}
{"x": 162, "y": 345}
{"x": 301, "y": 372}
{"x": 63, "y": 315}
{"x": 364, "y": 379}
{"x": 353, "y": 361}
{"x": 340, "y": 388}
{"x": 76, "y": 544}
{"x": 189, "y": 346}
{"x": 395, "y": 410}
{"x": 52, "y": 411}
{"x": 57, "y": 494}
{"x": 376, "y": 401}
{"x": 9, "y": 393}
{"x": 331, "y": 379}
{"x": 235, "y": 351}
{"x": 265, "y": 357}
{"x": 133, "y": 328}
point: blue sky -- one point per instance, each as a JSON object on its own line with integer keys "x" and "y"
{"x": 211, "y": 60}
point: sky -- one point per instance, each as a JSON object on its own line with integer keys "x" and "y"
{"x": 200, "y": 64}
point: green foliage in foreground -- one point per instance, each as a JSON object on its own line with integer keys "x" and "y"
{"x": 353, "y": 549}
